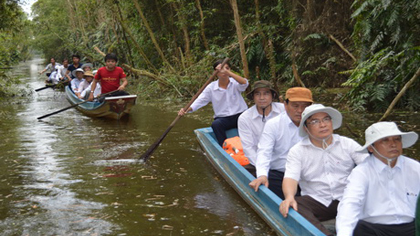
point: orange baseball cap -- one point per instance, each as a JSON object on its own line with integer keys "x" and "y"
{"x": 299, "y": 94}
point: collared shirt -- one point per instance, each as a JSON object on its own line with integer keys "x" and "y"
{"x": 52, "y": 67}
{"x": 322, "y": 173}
{"x": 226, "y": 102}
{"x": 61, "y": 72}
{"x": 379, "y": 194}
{"x": 96, "y": 93}
{"x": 75, "y": 84}
{"x": 250, "y": 128}
{"x": 279, "y": 135}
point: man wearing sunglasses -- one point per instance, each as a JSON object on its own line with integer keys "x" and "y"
{"x": 320, "y": 164}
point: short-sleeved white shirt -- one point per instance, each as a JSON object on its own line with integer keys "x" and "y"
{"x": 322, "y": 173}
{"x": 379, "y": 194}
{"x": 226, "y": 102}
{"x": 250, "y": 128}
{"x": 75, "y": 84}
{"x": 279, "y": 135}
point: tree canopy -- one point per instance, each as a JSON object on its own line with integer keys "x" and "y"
{"x": 370, "y": 47}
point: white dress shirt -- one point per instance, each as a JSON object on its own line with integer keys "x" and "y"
{"x": 226, "y": 102}
{"x": 279, "y": 135}
{"x": 75, "y": 84}
{"x": 250, "y": 128}
{"x": 61, "y": 72}
{"x": 379, "y": 194}
{"x": 96, "y": 93}
{"x": 322, "y": 173}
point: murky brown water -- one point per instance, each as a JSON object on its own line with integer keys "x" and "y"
{"x": 73, "y": 175}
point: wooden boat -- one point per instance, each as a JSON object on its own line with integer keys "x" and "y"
{"x": 111, "y": 107}
{"x": 264, "y": 202}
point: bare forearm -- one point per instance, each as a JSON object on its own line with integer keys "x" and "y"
{"x": 289, "y": 188}
{"x": 237, "y": 77}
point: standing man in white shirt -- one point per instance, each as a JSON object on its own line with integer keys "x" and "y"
{"x": 225, "y": 95}
{"x": 381, "y": 194}
{"x": 320, "y": 164}
{"x": 279, "y": 135}
{"x": 251, "y": 122}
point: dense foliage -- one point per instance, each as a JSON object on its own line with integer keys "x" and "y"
{"x": 168, "y": 46}
{"x": 15, "y": 36}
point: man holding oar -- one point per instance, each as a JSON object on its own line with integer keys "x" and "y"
{"x": 225, "y": 95}
{"x": 110, "y": 77}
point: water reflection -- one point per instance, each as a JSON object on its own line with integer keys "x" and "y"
{"x": 73, "y": 175}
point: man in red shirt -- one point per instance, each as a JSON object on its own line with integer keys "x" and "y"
{"x": 110, "y": 77}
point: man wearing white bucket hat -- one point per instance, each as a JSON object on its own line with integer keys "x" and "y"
{"x": 320, "y": 164}
{"x": 381, "y": 194}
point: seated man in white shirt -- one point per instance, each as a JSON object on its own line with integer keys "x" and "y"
{"x": 381, "y": 194}
{"x": 279, "y": 135}
{"x": 251, "y": 122}
{"x": 62, "y": 70}
{"x": 320, "y": 164}
{"x": 85, "y": 86}
{"x": 78, "y": 74}
{"x": 225, "y": 95}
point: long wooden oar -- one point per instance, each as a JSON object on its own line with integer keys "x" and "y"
{"x": 152, "y": 148}
{"x": 74, "y": 105}
{"x": 49, "y": 86}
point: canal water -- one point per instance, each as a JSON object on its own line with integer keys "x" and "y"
{"x": 73, "y": 175}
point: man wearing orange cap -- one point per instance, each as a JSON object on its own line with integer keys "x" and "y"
{"x": 279, "y": 135}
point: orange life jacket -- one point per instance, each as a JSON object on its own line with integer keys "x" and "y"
{"x": 233, "y": 147}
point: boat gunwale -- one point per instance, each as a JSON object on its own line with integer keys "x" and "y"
{"x": 294, "y": 224}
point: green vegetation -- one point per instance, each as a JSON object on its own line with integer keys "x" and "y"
{"x": 168, "y": 46}
{"x": 14, "y": 37}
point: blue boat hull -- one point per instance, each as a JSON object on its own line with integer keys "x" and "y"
{"x": 264, "y": 202}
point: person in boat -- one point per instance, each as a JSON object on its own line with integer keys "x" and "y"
{"x": 76, "y": 64}
{"x": 278, "y": 136}
{"x": 87, "y": 67}
{"x": 75, "y": 83}
{"x": 225, "y": 95}
{"x": 110, "y": 77}
{"x": 320, "y": 163}
{"x": 62, "y": 71}
{"x": 52, "y": 68}
{"x": 85, "y": 86}
{"x": 252, "y": 121}
{"x": 381, "y": 193}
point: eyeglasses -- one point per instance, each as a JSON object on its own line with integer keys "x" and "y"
{"x": 324, "y": 120}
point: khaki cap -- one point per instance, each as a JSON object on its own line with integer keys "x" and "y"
{"x": 299, "y": 94}
{"x": 262, "y": 84}
{"x": 88, "y": 74}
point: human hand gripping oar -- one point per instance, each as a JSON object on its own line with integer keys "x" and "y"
{"x": 74, "y": 105}
{"x": 152, "y": 148}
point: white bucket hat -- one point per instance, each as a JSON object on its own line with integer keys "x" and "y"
{"x": 336, "y": 116}
{"x": 77, "y": 70}
{"x": 381, "y": 130}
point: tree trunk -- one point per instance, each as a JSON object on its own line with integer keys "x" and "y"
{"x": 234, "y": 5}
{"x": 185, "y": 32}
{"x": 121, "y": 20}
{"x": 203, "y": 35}
{"x": 152, "y": 35}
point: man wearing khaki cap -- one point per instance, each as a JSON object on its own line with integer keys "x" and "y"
{"x": 279, "y": 135}
{"x": 252, "y": 121}
{"x": 381, "y": 194}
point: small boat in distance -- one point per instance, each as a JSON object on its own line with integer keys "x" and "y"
{"x": 264, "y": 202}
{"x": 112, "y": 107}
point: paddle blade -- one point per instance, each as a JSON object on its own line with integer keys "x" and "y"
{"x": 155, "y": 145}
{"x": 39, "y": 89}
